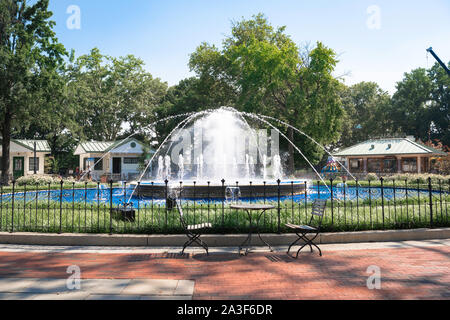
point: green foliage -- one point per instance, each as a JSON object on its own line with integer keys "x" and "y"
{"x": 372, "y": 177}
{"x": 270, "y": 75}
{"x": 108, "y": 92}
{"x": 367, "y": 113}
{"x": 420, "y": 107}
{"x": 410, "y": 104}
{"x": 37, "y": 180}
{"x": 29, "y": 57}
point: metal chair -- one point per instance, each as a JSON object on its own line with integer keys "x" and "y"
{"x": 193, "y": 232}
{"x": 318, "y": 212}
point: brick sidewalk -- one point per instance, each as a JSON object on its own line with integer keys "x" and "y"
{"x": 407, "y": 273}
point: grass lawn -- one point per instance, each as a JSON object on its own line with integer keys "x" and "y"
{"x": 155, "y": 219}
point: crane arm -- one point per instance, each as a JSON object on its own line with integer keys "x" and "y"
{"x": 430, "y": 50}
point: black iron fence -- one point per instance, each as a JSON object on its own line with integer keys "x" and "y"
{"x": 98, "y": 208}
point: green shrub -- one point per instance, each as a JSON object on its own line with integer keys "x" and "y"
{"x": 37, "y": 180}
{"x": 372, "y": 177}
{"x": 420, "y": 178}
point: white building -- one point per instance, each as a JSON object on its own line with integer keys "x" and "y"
{"x": 22, "y": 161}
{"x": 118, "y": 160}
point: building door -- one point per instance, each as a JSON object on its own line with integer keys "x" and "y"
{"x": 117, "y": 165}
{"x": 18, "y": 167}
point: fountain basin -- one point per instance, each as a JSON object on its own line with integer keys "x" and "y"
{"x": 217, "y": 191}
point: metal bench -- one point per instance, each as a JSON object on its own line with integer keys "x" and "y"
{"x": 193, "y": 232}
{"x": 318, "y": 211}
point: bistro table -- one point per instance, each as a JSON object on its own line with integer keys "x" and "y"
{"x": 249, "y": 208}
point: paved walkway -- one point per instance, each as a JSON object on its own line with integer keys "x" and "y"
{"x": 94, "y": 289}
{"x": 409, "y": 270}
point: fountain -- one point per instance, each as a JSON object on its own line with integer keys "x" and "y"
{"x": 216, "y": 148}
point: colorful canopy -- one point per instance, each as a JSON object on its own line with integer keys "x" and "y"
{"x": 331, "y": 167}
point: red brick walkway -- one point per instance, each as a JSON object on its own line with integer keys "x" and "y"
{"x": 407, "y": 273}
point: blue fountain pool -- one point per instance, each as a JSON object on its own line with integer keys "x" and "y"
{"x": 122, "y": 195}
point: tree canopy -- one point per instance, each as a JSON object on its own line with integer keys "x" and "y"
{"x": 49, "y": 94}
{"x": 30, "y": 55}
{"x": 268, "y": 74}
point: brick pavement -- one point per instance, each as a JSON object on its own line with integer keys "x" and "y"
{"x": 407, "y": 272}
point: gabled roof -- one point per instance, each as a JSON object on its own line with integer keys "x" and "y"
{"x": 389, "y": 146}
{"x": 103, "y": 146}
{"x": 95, "y": 146}
{"x": 41, "y": 145}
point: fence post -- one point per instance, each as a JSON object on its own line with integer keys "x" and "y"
{"x": 125, "y": 193}
{"x": 440, "y": 197}
{"x": 73, "y": 205}
{"x": 223, "y": 204}
{"x": 430, "y": 189}
{"x": 24, "y": 205}
{"x": 306, "y": 199}
{"x": 12, "y": 205}
{"x": 264, "y": 191}
{"x": 209, "y": 198}
{"x": 407, "y": 207}
{"x": 318, "y": 189}
{"x": 110, "y": 206}
{"x": 139, "y": 203}
{"x": 332, "y": 197}
{"x": 357, "y": 201}
{"x": 167, "y": 202}
{"x": 382, "y": 198}
{"x": 1, "y": 207}
{"x": 279, "y": 206}
{"x": 370, "y": 205}
{"x": 60, "y": 207}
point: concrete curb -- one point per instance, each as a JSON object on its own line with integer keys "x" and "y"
{"x": 215, "y": 240}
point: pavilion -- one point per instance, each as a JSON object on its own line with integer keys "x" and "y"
{"x": 389, "y": 155}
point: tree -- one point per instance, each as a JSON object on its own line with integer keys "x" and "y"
{"x": 191, "y": 95}
{"x": 29, "y": 52}
{"x": 440, "y": 104}
{"x": 56, "y": 121}
{"x": 113, "y": 97}
{"x": 420, "y": 106}
{"x": 442, "y": 164}
{"x": 268, "y": 74}
{"x": 367, "y": 107}
{"x": 411, "y": 103}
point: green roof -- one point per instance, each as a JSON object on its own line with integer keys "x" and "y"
{"x": 389, "y": 146}
{"x": 104, "y": 146}
{"x": 96, "y": 146}
{"x": 41, "y": 145}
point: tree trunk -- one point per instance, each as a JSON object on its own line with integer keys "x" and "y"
{"x": 291, "y": 166}
{"x": 6, "y": 141}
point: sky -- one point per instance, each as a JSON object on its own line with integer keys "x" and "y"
{"x": 375, "y": 40}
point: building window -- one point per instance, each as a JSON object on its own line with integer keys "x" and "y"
{"x": 409, "y": 165}
{"x": 99, "y": 165}
{"x": 33, "y": 163}
{"x": 374, "y": 165}
{"x": 130, "y": 160}
{"x": 92, "y": 161}
{"x": 356, "y": 165}
{"x": 425, "y": 165}
{"x": 390, "y": 165}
